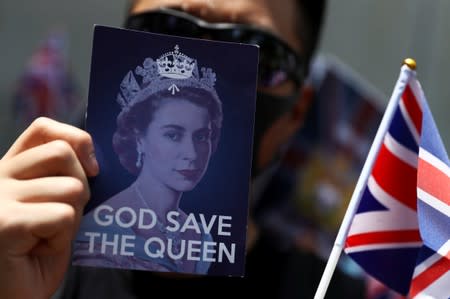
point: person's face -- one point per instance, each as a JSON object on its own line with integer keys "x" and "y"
{"x": 177, "y": 145}
{"x": 277, "y": 16}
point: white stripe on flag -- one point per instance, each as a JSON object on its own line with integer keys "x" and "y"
{"x": 433, "y": 160}
{"x": 384, "y": 220}
{"x": 443, "y": 251}
{"x": 417, "y": 90}
{"x": 437, "y": 289}
{"x": 409, "y": 122}
{"x": 434, "y": 202}
{"x": 382, "y": 246}
{"x": 400, "y": 151}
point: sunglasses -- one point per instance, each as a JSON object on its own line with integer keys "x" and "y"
{"x": 279, "y": 64}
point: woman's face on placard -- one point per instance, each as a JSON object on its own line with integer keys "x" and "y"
{"x": 177, "y": 144}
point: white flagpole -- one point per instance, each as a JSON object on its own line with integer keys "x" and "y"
{"x": 406, "y": 71}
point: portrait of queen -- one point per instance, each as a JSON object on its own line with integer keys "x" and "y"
{"x": 168, "y": 128}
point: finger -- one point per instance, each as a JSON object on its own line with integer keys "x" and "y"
{"x": 24, "y": 226}
{"x": 66, "y": 190}
{"x": 44, "y": 130}
{"x": 55, "y": 158}
{"x": 61, "y": 189}
{"x": 54, "y": 231}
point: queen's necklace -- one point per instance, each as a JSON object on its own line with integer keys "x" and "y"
{"x": 174, "y": 236}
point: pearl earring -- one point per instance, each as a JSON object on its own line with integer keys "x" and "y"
{"x": 139, "y": 159}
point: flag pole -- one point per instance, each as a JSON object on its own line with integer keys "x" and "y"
{"x": 407, "y": 69}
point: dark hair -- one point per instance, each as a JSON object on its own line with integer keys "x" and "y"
{"x": 132, "y": 122}
{"x": 312, "y": 14}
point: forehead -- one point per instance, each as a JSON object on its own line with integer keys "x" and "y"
{"x": 279, "y": 16}
{"x": 181, "y": 113}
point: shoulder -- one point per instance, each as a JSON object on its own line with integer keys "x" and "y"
{"x": 124, "y": 197}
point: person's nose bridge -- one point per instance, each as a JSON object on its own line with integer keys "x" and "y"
{"x": 188, "y": 148}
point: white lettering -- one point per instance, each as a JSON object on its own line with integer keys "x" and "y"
{"x": 91, "y": 240}
{"x": 114, "y": 243}
{"x": 207, "y": 227}
{"x": 171, "y": 218}
{"x": 230, "y": 254}
{"x": 193, "y": 251}
{"x": 191, "y": 223}
{"x": 131, "y": 220}
{"x": 222, "y": 224}
{"x": 108, "y": 218}
{"x": 153, "y": 216}
{"x": 124, "y": 245}
{"x": 159, "y": 252}
{"x": 126, "y": 217}
{"x": 208, "y": 253}
{"x": 171, "y": 247}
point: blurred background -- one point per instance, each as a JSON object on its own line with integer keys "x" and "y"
{"x": 45, "y": 55}
{"x": 372, "y": 37}
{"x": 48, "y": 41}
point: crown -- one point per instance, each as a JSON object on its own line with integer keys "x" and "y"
{"x": 175, "y": 65}
{"x": 172, "y": 71}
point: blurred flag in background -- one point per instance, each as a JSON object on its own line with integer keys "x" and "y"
{"x": 46, "y": 87}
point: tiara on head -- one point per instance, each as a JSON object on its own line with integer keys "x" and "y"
{"x": 171, "y": 71}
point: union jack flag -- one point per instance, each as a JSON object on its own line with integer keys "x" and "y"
{"x": 400, "y": 232}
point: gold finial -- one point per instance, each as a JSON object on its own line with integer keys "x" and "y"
{"x": 411, "y": 63}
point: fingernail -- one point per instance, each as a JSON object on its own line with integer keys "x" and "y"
{"x": 93, "y": 164}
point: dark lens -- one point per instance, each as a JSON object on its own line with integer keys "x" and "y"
{"x": 270, "y": 78}
{"x": 274, "y": 73}
{"x": 181, "y": 27}
{"x": 163, "y": 23}
{"x": 280, "y": 67}
{"x": 278, "y": 64}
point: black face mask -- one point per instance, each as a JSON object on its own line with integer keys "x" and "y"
{"x": 269, "y": 108}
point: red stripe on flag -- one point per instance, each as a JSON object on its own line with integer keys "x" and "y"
{"x": 431, "y": 274}
{"x": 396, "y": 177}
{"x": 396, "y": 236}
{"x": 433, "y": 181}
{"x": 413, "y": 108}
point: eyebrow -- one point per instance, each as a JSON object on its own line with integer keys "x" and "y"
{"x": 203, "y": 129}
{"x": 180, "y": 128}
{"x": 176, "y": 127}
